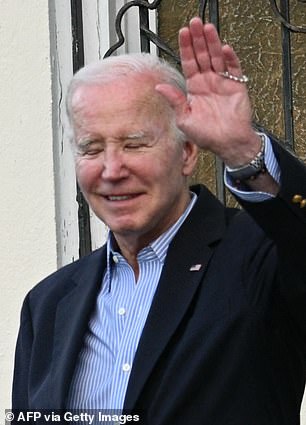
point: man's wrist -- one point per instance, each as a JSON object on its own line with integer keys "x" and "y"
{"x": 252, "y": 169}
{"x": 252, "y": 194}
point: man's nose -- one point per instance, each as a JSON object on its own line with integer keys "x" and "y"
{"x": 114, "y": 167}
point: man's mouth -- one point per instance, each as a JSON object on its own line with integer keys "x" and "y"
{"x": 120, "y": 197}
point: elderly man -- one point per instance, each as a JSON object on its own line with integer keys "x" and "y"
{"x": 191, "y": 313}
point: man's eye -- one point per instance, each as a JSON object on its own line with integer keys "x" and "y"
{"x": 89, "y": 152}
{"x": 135, "y": 146}
{"x": 94, "y": 152}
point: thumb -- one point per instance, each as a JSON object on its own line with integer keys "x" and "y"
{"x": 175, "y": 97}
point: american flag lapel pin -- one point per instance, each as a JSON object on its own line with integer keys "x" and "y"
{"x": 195, "y": 267}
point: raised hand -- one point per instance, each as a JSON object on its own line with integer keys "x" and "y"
{"x": 216, "y": 114}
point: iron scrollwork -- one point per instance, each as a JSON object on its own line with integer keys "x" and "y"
{"x": 144, "y": 6}
{"x": 144, "y": 29}
{"x": 283, "y": 19}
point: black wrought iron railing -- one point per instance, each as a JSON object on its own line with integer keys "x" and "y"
{"x": 77, "y": 63}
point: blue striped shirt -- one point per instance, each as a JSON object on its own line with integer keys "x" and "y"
{"x": 104, "y": 364}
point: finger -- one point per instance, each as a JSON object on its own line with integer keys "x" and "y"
{"x": 199, "y": 44}
{"x": 188, "y": 60}
{"x": 232, "y": 62}
{"x": 214, "y": 47}
{"x": 175, "y": 97}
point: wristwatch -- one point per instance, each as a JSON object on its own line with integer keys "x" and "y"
{"x": 251, "y": 170}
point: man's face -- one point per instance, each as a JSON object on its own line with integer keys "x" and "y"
{"x": 129, "y": 167}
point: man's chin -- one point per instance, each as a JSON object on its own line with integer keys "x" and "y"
{"x": 124, "y": 229}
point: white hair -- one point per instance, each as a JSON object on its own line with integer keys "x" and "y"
{"x": 115, "y": 67}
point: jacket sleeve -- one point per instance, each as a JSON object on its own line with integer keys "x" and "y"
{"x": 283, "y": 219}
{"x": 20, "y": 398}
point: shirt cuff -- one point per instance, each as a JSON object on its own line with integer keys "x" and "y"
{"x": 273, "y": 169}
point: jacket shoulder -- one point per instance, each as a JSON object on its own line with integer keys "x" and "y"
{"x": 62, "y": 279}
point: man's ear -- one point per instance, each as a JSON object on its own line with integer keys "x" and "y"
{"x": 190, "y": 157}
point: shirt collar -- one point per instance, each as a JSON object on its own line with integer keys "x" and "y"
{"x": 161, "y": 244}
{"x": 155, "y": 250}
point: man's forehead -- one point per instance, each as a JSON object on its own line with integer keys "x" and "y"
{"x": 109, "y": 100}
{"x": 136, "y": 85}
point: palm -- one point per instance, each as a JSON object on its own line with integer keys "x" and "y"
{"x": 216, "y": 108}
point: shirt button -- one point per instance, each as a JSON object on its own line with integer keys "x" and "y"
{"x": 115, "y": 259}
{"x": 121, "y": 311}
{"x": 126, "y": 367}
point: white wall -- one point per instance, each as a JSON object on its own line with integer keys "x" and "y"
{"x": 28, "y": 234}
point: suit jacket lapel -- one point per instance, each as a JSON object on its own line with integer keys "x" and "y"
{"x": 186, "y": 263}
{"x": 72, "y": 317}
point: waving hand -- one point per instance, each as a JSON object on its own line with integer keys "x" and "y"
{"x": 216, "y": 114}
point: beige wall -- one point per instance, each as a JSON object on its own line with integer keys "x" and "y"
{"x": 28, "y": 237}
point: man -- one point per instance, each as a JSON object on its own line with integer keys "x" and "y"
{"x": 191, "y": 313}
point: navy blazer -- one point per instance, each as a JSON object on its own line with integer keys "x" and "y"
{"x": 224, "y": 342}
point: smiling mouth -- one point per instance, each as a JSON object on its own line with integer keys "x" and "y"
{"x": 120, "y": 197}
